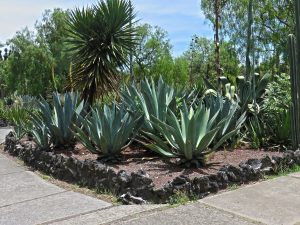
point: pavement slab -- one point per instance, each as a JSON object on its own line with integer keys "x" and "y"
{"x": 191, "y": 214}
{"x": 295, "y": 175}
{"x": 24, "y": 186}
{"x": 7, "y": 166}
{"x": 27, "y": 199}
{"x": 49, "y": 209}
{"x": 110, "y": 215}
{"x": 3, "y": 132}
{"x": 273, "y": 202}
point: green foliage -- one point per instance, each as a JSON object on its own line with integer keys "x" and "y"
{"x": 227, "y": 109}
{"x": 280, "y": 127}
{"x": 29, "y": 66}
{"x": 257, "y": 133}
{"x": 3, "y": 111}
{"x": 276, "y": 112}
{"x": 188, "y": 137}
{"x": 37, "y": 56}
{"x": 278, "y": 93}
{"x": 179, "y": 198}
{"x": 152, "y": 57}
{"x": 201, "y": 58}
{"x": 273, "y": 20}
{"x": 19, "y": 117}
{"x": 59, "y": 120}
{"x": 152, "y": 99}
{"x": 40, "y": 132}
{"x": 17, "y": 113}
{"x": 284, "y": 171}
{"x": 100, "y": 38}
{"x": 152, "y": 53}
{"x": 108, "y": 130}
{"x": 51, "y": 32}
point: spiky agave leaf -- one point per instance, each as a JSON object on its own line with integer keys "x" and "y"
{"x": 59, "y": 119}
{"x": 40, "y": 131}
{"x": 230, "y": 110}
{"x": 108, "y": 130}
{"x": 188, "y": 137}
{"x": 152, "y": 99}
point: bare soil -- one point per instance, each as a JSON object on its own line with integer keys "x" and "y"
{"x": 163, "y": 170}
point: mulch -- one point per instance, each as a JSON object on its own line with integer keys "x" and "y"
{"x": 162, "y": 170}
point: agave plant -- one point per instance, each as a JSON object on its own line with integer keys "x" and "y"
{"x": 100, "y": 39}
{"x": 227, "y": 109}
{"x": 60, "y": 119}
{"x": 107, "y": 131}
{"x": 243, "y": 91}
{"x": 188, "y": 137}
{"x": 152, "y": 100}
{"x": 40, "y": 132}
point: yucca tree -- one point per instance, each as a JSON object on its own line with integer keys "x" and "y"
{"x": 100, "y": 38}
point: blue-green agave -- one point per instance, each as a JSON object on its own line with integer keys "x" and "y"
{"x": 227, "y": 109}
{"x": 58, "y": 120}
{"x": 108, "y": 130}
{"x": 151, "y": 99}
{"x": 187, "y": 137}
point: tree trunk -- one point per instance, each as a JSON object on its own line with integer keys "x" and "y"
{"x": 217, "y": 41}
{"x": 249, "y": 41}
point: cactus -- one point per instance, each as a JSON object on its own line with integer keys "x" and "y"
{"x": 294, "y": 44}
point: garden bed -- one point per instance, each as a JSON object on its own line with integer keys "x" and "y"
{"x": 142, "y": 177}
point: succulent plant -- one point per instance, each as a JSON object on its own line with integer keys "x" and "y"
{"x": 108, "y": 130}
{"x": 40, "y": 132}
{"x": 151, "y": 100}
{"x": 59, "y": 119}
{"x": 227, "y": 109}
{"x": 188, "y": 137}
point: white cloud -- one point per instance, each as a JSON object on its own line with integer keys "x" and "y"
{"x": 17, "y": 14}
{"x": 181, "y": 18}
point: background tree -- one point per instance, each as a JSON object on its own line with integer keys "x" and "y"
{"x": 37, "y": 63}
{"x": 51, "y": 31}
{"x": 272, "y": 22}
{"x": 28, "y": 68}
{"x": 152, "y": 55}
{"x": 201, "y": 58}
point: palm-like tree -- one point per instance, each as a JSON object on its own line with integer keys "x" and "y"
{"x": 100, "y": 39}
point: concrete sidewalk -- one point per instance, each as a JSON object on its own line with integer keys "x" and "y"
{"x": 272, "y": 202}
{"x": 26, "y": 199}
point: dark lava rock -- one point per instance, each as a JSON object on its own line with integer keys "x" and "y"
{"x": 234, "y": 174}
{"x": 297, "y": 156}
{"x": 130, "y": 199}
{"x": 254, "y": 163}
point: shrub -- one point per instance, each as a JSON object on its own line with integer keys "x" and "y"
{"x": 275, "y": 113}
{"x": 19, "y": 117}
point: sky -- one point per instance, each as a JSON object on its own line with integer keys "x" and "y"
{"x": 180, "y": 18}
